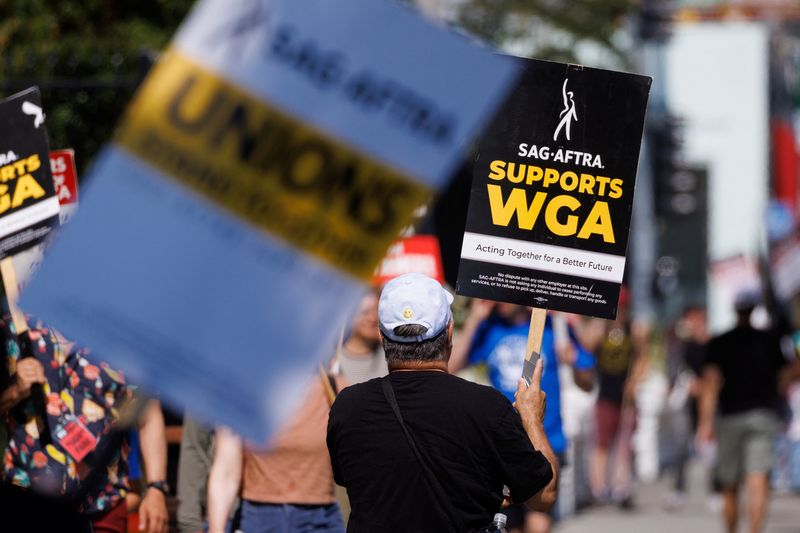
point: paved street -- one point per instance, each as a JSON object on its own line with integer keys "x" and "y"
{"x": 650, "y": 516}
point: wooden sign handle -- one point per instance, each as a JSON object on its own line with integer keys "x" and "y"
{"x": 12, "y": 294}
{"x": 534, "y": 346}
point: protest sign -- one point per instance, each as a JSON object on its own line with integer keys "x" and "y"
{"x": 28, "y": 205}
{"x": 65, "y": 181}
{"x": 552, "y": 191}
{"x": 260, "y": 174}
{"x": 415, "y": 254}
{"x": 736, "y": 273}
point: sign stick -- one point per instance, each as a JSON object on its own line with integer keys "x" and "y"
{"x": 534, "y": 346}
{"x": 11, "y": 292}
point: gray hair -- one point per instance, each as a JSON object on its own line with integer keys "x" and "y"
{"x": 434, "y": 349}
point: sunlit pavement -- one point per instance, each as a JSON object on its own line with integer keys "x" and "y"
{"x": 650, "y": 514}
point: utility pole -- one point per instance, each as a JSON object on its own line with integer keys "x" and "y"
{"x": 652, "y": 30}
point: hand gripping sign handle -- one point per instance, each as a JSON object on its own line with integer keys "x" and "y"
{"x": 11, "y": 292}
{"x": 534, "y": 346}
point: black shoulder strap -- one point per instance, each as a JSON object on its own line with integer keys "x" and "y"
{"x": 433, "y": 481}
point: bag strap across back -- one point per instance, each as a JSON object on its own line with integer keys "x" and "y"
{"x": 433, "y": 481}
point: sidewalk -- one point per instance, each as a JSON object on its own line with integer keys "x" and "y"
{"x": 650, "y": 516}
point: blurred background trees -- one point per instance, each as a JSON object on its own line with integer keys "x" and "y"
{"x": 87, "y": 57}
{"x": 546, "y": 29}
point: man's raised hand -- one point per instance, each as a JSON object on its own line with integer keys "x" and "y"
{"x": 531, "y": 401}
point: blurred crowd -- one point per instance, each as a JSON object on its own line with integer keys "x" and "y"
{"x": 628, "y": 403}
{"x": 625, "y": 404}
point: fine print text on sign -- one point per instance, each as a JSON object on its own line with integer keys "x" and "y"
{"x": 260, "y": 174}
{"x": 552, "y": 191}
{"x": 28, "y": 204}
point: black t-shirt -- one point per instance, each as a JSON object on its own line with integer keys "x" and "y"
{"x": 694, "y": 356}
{"x": 614, "y": 361}
{"x": 749, "y": 361}
{"x": 471, "y": 434}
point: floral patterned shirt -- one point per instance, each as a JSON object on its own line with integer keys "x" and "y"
{"x": 75, "y": 386}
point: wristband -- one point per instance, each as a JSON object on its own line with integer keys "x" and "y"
{"x": 159, "y": 485}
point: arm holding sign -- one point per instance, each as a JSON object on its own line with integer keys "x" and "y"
{"x": 29, "y": 372}
{"x": 583, "y": 371}
{"x": 530, "y": 402}
{"x": 478, "y": 312}
{"x": 153, "y": 517}
{"x": 592, "y": 333}
{"x": 570, "y": 351}
{"x": 583, "y": 363}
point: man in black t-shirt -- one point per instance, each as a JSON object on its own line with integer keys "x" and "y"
{"x": 470, "y": 440}
{"x": 741, "y": 384}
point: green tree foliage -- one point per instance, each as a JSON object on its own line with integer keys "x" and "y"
{"x": 87, "y": 57}
{"x": 547, "y": 29}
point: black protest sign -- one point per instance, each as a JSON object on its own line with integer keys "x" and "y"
{"x": 552, "y": 191}
{"x": 28, "y": 203}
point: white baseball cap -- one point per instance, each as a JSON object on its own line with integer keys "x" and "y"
{"x": 414, "y": 299}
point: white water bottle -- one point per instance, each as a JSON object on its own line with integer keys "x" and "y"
{"x": 498, "y": 524}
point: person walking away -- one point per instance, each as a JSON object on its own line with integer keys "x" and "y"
{"x": 289, "y": 484}
{"x": 496, "y": 334}
{"x": 422, "y": 450}
{"x": 743, "y": 376}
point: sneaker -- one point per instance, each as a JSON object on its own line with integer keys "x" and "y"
{"x": 626, "y": 503}
{"x": 623, "y": 499}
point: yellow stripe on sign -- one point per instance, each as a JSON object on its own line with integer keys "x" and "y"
{"x": 274, "y": 171}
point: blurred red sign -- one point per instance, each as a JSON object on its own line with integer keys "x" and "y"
{"x": 418, "y": 253}
{"x": 65, "y": 177}
{"x": 735, "y": 274}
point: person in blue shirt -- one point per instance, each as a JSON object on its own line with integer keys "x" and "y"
{"x": 496, "y": 334}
